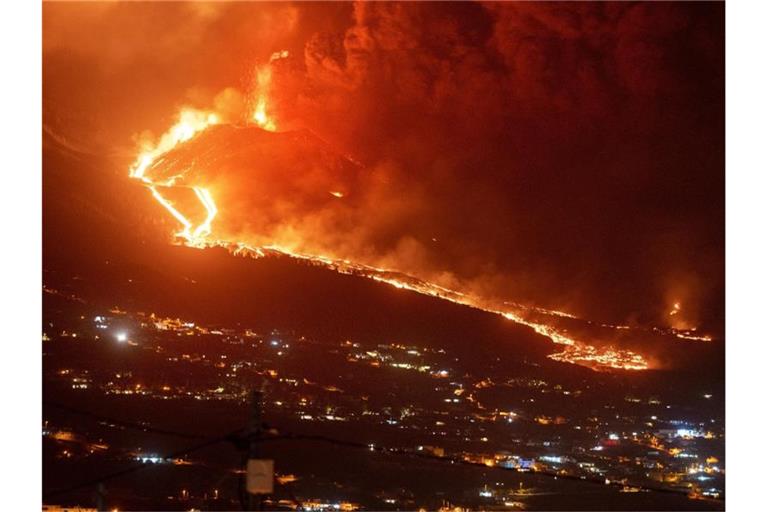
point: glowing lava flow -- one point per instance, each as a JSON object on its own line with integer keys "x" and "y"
{"x": 204, "y": 229}
{"x": 575, "y": 352}
{"x": 264, "y": 77}
{"x": 190, "y": 122}
{"x": 263, "y": 86}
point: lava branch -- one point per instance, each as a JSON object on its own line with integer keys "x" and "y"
{"x": 574, "y": 351}
{"x": 194, "y": 237}
{"x": 190, "y": 123}
{"x": 204, "y": 229}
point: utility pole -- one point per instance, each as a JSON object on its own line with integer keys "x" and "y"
{"x": 101, "y": 492}
{"x": 254, "y": 436}
{"x": 259, "y": 473}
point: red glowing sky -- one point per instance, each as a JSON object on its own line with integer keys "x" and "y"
{"x": 570, "y": 154}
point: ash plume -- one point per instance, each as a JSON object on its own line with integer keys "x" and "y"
{"x": 564, "y": 154}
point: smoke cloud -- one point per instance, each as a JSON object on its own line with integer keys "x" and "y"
{"x": 566, "y": 154}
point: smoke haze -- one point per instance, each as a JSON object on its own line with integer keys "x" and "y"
{"x": 566, "y": 154}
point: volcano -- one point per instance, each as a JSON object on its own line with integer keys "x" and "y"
{"x": 287, "y": 193}
{"x": 417, "y": 256}
{"x": 92, "y": 265}
{"x": 226, "y": 150}
{"x": 312, "y": 290}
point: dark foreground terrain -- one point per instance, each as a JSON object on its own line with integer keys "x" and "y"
{"x": 409, "y": 401}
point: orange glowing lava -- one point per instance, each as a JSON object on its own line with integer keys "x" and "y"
{"x": 192, "y": 122}
{"x": 261, "y": 115}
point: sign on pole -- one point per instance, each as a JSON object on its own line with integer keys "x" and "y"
{"x": 260, "y": 476}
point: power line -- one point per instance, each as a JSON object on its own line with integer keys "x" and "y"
{"x": 241, "y": 439}
{"x": 459, "y": 461}
{"x": 138, "y": 467}
{"x": 124, "y": 423}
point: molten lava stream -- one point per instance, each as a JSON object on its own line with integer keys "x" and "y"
{"x": 194, "y": 236}
{"x": 198, "y": 235}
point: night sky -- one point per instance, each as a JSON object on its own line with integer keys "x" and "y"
{"x": 567, "y": 154}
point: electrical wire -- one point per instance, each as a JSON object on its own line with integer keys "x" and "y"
{"x": 459, "y": 461}
{"x": 123, "y": 423}
{"x": 138, "y": 467}
{"x": 240, "y": 440}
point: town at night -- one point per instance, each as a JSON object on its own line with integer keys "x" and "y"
{"x": 383, "y": 256}
{"x": 438, "y": 425}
